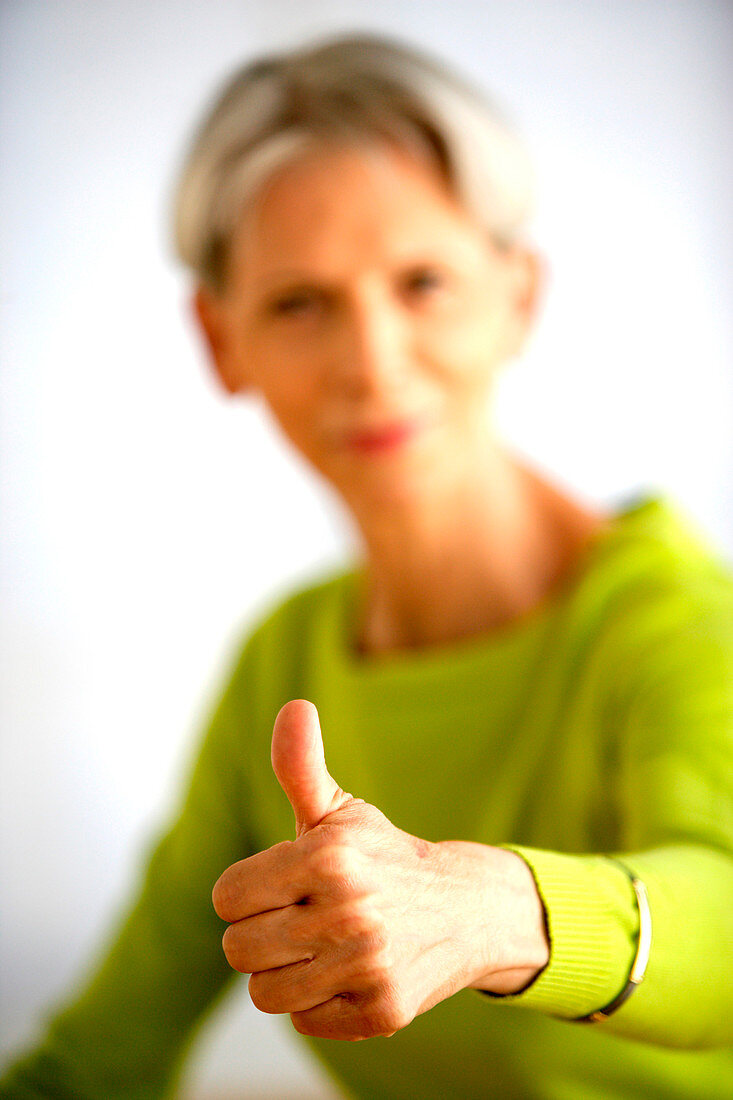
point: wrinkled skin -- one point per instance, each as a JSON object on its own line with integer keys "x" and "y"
{"x": 356, "y": 927}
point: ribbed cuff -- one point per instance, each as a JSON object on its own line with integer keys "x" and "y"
{"x": 593, "y": 922}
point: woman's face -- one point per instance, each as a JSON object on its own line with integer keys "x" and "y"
{"x": 371, "y": 314}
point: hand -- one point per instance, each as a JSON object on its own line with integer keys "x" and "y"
{"x": 356, "y": 927}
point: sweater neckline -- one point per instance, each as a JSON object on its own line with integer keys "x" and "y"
{"x": 495, "y": 645}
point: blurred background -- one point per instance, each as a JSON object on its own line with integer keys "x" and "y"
{"x": 147, "y": 518}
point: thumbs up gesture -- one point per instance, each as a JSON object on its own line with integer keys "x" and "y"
{"x": 356, "y": 927}
{"x": 300, "y": 766}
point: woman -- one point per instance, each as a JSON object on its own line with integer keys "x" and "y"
{"x": 531, "y": 699}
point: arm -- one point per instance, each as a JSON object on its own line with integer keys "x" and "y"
{"x": 674, "y": 791}
{"x": 125, "y": 1031}
{"x": 356, "y": 927}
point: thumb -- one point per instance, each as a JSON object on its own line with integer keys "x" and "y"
{"x": 300, "y": 766}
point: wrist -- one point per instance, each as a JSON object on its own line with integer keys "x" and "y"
{"x": 505, "y": 935}
{"x": 520, "y": 949}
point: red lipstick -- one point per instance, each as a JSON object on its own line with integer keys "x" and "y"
{"x": 380, "y": 440}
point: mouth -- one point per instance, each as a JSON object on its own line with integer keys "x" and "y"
{"x": 385, "y": 437}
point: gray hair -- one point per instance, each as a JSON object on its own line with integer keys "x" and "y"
{"x": 352, "y": 88}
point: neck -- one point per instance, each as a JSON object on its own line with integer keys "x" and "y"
{"x": 472, "y": 561}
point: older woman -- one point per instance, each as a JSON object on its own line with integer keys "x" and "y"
{"x": 530, "y": 699}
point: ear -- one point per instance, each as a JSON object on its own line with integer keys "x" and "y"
{"x": 529, "y": 280}
{"x": 213, "y": 323}
{"x": 526, "y": 283}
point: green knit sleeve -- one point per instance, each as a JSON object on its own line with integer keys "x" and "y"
{"x": 124, "y": 1030}
{"x": 673, "y": 793}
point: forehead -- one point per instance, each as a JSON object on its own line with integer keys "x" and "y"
{"x": 337, "y": 203}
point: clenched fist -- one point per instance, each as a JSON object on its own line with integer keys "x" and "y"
{"x": 356, "y": 927}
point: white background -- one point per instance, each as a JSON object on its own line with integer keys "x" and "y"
{"x": 146, "y": 517}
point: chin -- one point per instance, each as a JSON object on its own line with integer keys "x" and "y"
{"x": 410, "y": 486}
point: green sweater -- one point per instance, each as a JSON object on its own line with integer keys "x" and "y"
{"x": 601, "y": 722}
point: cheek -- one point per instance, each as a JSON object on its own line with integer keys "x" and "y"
{"x": 292, "y": 396}
{"x": 467, "y": 356}
{"x": 275, "y": 371}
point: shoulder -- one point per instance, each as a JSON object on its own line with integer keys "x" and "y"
{"x": 667, "y": 626}
{"x": 659, "y": 570}
{"x": 653, "y": 609}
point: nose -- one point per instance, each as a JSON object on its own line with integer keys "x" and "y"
{"x": 371, "y": 351}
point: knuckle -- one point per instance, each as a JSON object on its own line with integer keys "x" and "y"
{"x": 366, "y": 925}
{"x": 380, "y": 972}
{"x": 373, "y": 1021}
{"x": 372, "y": 973}
{"x": 231, "y": 885}
{"x": 228, "y": 889}
{"x": 300, "y": 1023}
{"x": 222, "y": 897}
{"x": 336, "y": 863}
{"x": 386, "y": 1014}
{"x": 261, "y": 995}
{"x": 356, "y": 921}
{"x": 230, "y": 941}
{"x": 401, "y": 1017}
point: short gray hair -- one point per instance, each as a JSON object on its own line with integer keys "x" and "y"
{"x": 349, "y": 88}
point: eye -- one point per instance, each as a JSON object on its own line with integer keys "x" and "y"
{"x": 425, "y": 280}
{"x": 292, "y": 304}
